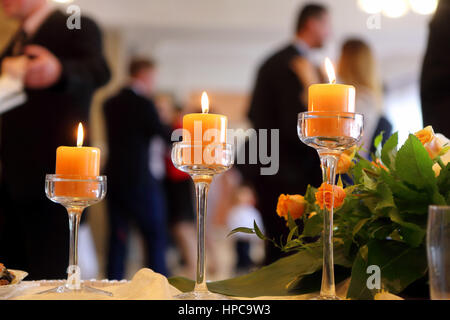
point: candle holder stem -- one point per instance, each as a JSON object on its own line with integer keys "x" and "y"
{"x": 73, "y": 271}
{"x": 201, "y": 189}
{"x": 202, "y": 174}
{"x": 327, "y": 291}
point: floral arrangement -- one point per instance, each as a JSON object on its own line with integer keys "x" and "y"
{"x": 380, "y": 214}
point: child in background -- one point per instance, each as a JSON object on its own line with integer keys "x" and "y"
{"x": 244, "y": 214}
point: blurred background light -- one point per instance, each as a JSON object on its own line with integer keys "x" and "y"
{"x": 395, "y": 8}
{"x": 423, "y": 6}
{"x": 62, "y": 1}
{"x": 370, "y": 6}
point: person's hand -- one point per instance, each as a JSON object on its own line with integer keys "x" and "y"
{"x": 15, "y": 67}
{"x": 44, "y": 68}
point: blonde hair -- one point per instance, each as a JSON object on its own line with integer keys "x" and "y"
{"x": 357, "y": 66}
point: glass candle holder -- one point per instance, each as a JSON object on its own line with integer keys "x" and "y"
{"x": 330, "y": 133}
{"x": 75, "y": 193}
{"x": 202, "y": 163}
{"x": 438, "y": 252}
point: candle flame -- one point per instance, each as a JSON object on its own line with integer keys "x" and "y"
{"x": 80, "y": 135}
{"x": 205, "y": 102}
{"x": 330, "y": 70}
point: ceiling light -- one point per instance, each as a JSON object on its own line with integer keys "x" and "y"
{"x": 395, "y": 8}
{"x": 370, "y": 6}
{"x": 424, "y": 6}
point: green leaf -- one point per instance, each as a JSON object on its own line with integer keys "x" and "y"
{"x": 400, "y": 266}
{"x": 377, "y": 144}
{"x": 292, "y": 233}
{"x": 368, "y": 182}
{"x": 414, "y": 165}
{"x": 359, "y": 225}
{"x": 386, "y": 199}
{"x": 358, "y": 169}
{"x": 378, "y": 140}
{"x": 310, "y": 195}
{"x": 291, "y": 223}
{"x": 411, "y": 233}
{"x": 313, "y": 226}
{"x": 443, "y": 180}
{"x": 241, "y": 230}
{"x": 389, "y": 151}
{"x": 258, "y": 231}
{"x": 358, "y": 288}
{"x": 281, "y": 278}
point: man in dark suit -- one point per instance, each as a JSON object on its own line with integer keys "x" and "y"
{"x": 63, "y": 69}
{"x": 134, "y": 195}
{"x": 435, "y": 91}
{"x": 279, "y": 95}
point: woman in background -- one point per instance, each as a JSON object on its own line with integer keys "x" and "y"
{"x": 357, "y": 66}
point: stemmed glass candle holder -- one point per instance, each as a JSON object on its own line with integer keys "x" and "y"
{"x": 202, "y": 163}
{"x": 75, "y": 193}
{"x": 330, "y": 133}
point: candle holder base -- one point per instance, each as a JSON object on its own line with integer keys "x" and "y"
{"x": 202, "y": 295}
{"x": 326, "y": 298}
{"x": 81, "y": 290}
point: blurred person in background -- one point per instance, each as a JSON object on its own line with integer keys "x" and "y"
{"x": 357, "y": 66}
{"x": 435, "y": 92}
{"x": 61, "y": 69}
{"x": 244, "y": 214}
{"x": 180, "y": 193}
{"x": 134, "y": 194}
{"x": 279, "y": 95}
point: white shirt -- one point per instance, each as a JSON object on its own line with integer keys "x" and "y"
{"x": 302, "y": 47}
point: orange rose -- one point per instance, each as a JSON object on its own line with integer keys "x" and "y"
{"x": 324, "y": 195}
{"x": 292, "y": 204}
{"x": 430, "y": 141}
{"x": 344, "y": 163}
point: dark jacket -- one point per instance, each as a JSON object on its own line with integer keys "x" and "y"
{"x": 275, "y": 104}
{"x": 31, "y": 133}
{"x": 131, "y": 121}
{"x": 435, "y": 88}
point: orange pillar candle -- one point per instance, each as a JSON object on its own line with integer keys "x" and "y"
{"x": 201, "y": 130}
{"x": 330, "y": 99}
{"x": 77, "y": 162}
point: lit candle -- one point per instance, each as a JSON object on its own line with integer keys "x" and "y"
{"x": 77, "y": 162}
{"x": 329, "y": 100}
{"x": 202, "y": 129}
{"x": 331, "y": 96}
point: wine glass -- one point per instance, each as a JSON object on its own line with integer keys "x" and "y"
{"x": 202, "y": 163}
{"x": 75, "y": 193}
{"x": 330, "y": 133}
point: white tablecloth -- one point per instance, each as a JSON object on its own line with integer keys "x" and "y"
{"x": 145, "y": 285}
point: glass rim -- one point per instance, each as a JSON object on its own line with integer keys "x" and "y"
{"x": 329, "y": 115}
{"x": 73, "y": 178}
{"x": 438, "y": 207}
